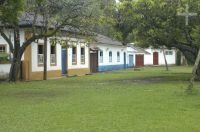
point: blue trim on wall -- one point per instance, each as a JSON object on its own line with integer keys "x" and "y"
{"x": 128, "y": 66}
{"x": 111, "y": 67}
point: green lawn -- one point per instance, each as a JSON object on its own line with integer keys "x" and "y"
{"x": 150, "y": 100}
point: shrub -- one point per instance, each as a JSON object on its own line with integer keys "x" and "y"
{"x": 4, "y": 58}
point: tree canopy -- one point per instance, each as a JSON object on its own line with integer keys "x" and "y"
{"x": 10, "y": 10}
{"x": 155, "y": 23}
{"x": 43, "y": 18}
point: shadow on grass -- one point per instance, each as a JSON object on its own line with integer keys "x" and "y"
{"x": 152, "y": 79}
{"x": 33, "y": 94}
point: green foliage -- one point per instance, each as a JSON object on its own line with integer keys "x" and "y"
{"x": 196, "y": 34}
{"x": 156, "y": 23}
{"x": 4, "y": 57}
{"x": 43, "y": 19}
{"x": 125, "y": 21}
{"x": 106, "y": 12}
{"x": 10, "y": 11}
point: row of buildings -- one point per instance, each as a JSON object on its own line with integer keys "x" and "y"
{"x": 81, "y": 57}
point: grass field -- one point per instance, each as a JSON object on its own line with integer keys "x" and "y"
{"x": 149, "y": 100}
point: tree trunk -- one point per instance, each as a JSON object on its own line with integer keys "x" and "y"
{"x": 45, "y": 46}
{"x": 194, "y": 72}
{"x": 166, "y": 65}
{"x": 45, "y": 59}
{"x": 15, "y": 65}
{"x": 198, "y": 73}
{"x": 14, "y": 70}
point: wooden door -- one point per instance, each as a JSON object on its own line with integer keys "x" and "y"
{"x": 64, "y": 61}
{"x": 93, "y": 61}
{"x": 125, "y": 60}
{"x": 139, "y": 60}
{"x": 130, "y": 64}
{"x": 155, "y": 58}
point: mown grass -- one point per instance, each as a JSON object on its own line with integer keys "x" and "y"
{"x": 150, "y": 100}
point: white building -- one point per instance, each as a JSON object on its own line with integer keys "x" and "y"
{"x": 5, "y": 51}
{"x": 138, "y": 57}
{"x": 156, "y": 57}
{"x": 77, "y": 57}
{"x": 73, "y": 60}
{"x": 107, "y": 54}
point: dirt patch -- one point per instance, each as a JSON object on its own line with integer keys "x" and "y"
{"x": 33, "y": 94}
{"x": 145, "y": 80}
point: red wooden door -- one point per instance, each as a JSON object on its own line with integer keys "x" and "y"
{"x": 93, "y": 60}
{"x": 139, "y": 60}
{"x": 155, "y": 58}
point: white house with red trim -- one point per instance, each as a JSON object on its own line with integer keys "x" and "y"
{"x": 156, "y": 56}
{"x": 138, "y": 57}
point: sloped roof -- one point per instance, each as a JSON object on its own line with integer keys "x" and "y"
{"x": 138, "y": 49}
{"x": 141, "y": 50}
{"x": 101, "y": 39}
{"x": 26, "y": 19}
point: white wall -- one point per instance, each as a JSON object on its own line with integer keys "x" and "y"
{"x": 106, "y": 49}
{"x": 34, "y": 52}
{"x": 171, "y": 59}
{"x": 79, "y": 44}
{"x": 5, "y": 68}
{"x": 130, "y": 51}
{"x": 35, "y": 67}
{"x": 148, "y": 58}
{"x": 4, "y": 71}
{"x": 10, "y": 34}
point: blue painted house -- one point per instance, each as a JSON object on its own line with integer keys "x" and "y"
{"x": 107, "y": 54}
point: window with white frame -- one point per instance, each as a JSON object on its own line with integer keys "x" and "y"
{"x": 101, "y": 56}
{"x": 110, "y": 56}
{"x": 168, "y": 52}
{"x": 40, "y": 54}
{"x": 53, "y": 55}
{"x": 82, "y": 55}
{"x": 74, "y": 55}
{"x": 118, "y": 56}
{"x": 2, "y": 48}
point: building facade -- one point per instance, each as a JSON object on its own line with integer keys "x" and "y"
{"x": 71, "y": 59}
{"x": 107, "y": 54}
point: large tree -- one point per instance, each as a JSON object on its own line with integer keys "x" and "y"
{"x": 156, "y": 23}
{"x": 107, "y": 12}
{"x": 43, "y": 18}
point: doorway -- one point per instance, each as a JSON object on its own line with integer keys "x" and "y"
{"x": 93, "y": 61}
{"x": 155, "y": 58}
{"x": 64, "y": 61}
{"x": 139, "y": 60}
{"x": 130, "y": 61}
